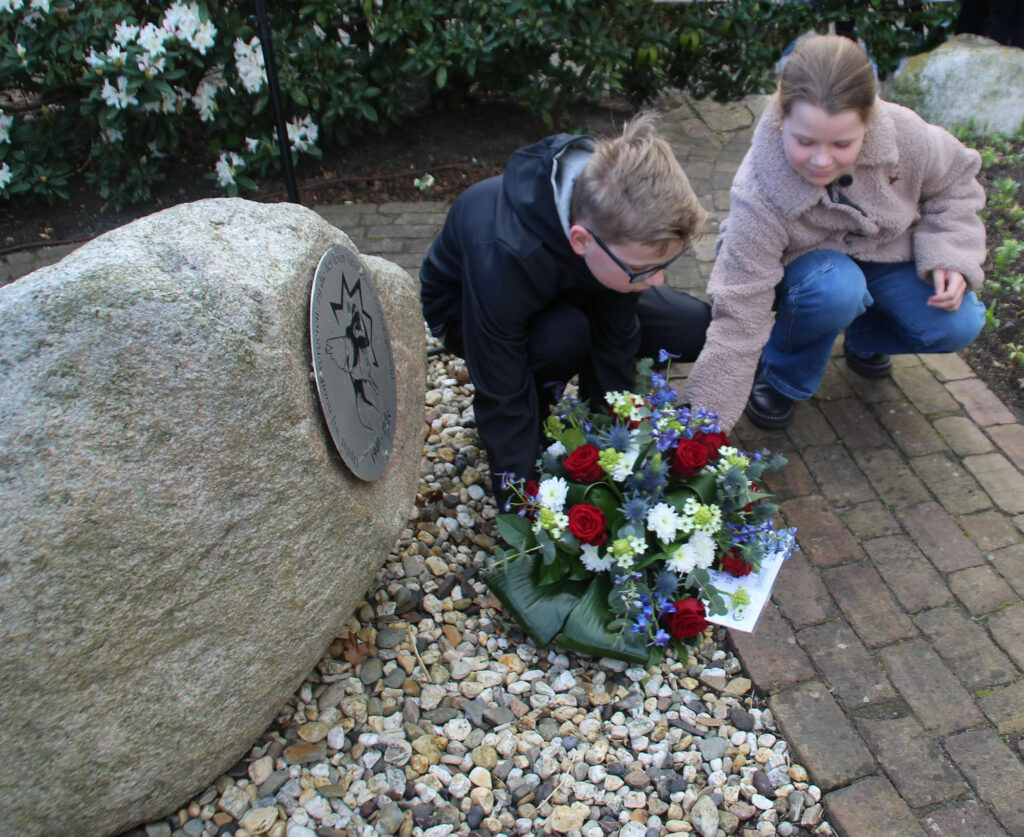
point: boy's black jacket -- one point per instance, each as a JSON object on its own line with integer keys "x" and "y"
{"x": 501, "y": 257}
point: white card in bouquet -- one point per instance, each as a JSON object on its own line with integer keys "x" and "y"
{"x": 758, "y": 587}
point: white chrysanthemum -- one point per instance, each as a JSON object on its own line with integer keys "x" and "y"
{"x": 6, "y": 176}
{"x": 125, "y": 32}
{"x": 249, "y": 63}
{"x": 663, "y": 520}
{"x": 592, "y": 560}
{"x": 556, "y": 449}
{"x": 151, "y": 39}
{"x": 204, "y": 100}
{"x": 227, "y": 166}
{"x": 551, "y": 493}
{"x": 5, "y": 127}
{"x": 698, "y": 552}
{"x": 119, "y": 97}
{"x": 624, "y": 467}
{"x": 302, "y": 133}
{"x": 10, "y": 5}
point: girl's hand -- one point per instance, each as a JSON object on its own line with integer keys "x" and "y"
{"x": 950, "y": 287}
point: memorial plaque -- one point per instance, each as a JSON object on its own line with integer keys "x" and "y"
{"x": 352, "y": 362}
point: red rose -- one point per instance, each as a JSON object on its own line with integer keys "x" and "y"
{"x": 582, "y": 465}
{"x": 712, "y": 442}
{"x": 686, "y": 620}
{"x": 750, "y": 506}
{"x": 528, "y": 508}
{"x": 588, "y": 524}
{"x": 734, "y": 565}
{"x": 688, "y": 459}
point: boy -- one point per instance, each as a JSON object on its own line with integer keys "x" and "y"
{"x": 554, "y": 269}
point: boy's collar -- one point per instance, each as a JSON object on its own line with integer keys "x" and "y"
{"x": 566, "y": 167}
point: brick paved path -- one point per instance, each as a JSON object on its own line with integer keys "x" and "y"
{"x": 893, "y": 650}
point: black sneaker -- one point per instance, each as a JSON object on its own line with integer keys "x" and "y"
{"x": 768, "y": 408}
{"x": 872, "y": 366}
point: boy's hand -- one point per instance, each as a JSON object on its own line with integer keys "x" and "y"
{"x": 950, "y": 287}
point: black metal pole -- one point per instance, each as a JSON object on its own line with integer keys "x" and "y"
{"x": 262, "y": 21}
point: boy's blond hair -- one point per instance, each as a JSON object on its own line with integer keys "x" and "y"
{"x": 634, "y": 190}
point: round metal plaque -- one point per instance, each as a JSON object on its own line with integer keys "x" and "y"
{"x": 352, "y": 362}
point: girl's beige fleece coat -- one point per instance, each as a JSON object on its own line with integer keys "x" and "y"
{"x": 917, "y": 187}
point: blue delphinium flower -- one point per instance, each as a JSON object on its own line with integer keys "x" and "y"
{"x": 663, "y": 393}
{"x": 646, "y": 616}
{"x": 664, "y": 356}
{"x": 661, "y": 638}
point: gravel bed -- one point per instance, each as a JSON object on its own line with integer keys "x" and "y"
{"x": 432, "y": 714}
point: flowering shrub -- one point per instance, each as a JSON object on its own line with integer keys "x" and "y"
{"x": 612, "y": 546}
{"x": 117, "y": 89}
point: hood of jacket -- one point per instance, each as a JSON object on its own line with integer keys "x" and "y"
{"x": 537, "y": 192}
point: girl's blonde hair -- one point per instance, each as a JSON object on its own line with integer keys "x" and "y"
{"x": 634, "y": 190}
{"x": 830, "y": 72}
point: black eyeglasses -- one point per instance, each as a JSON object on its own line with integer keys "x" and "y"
{"x": 634, "y": 275}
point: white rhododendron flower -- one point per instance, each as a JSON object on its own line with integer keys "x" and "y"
{"x": 125, "y": 33}
{"x": 151, "y": 39}
{"x": 151, "y": 66}
{"x": 551, "y": 493}
{"x": 119, "y": 97}
{"x": 663, "y": 520}
{"x": 10, "y": 5}
{"x": 227, "y": 166}
{"x": 302, "y": 134}
{"x": 203, "y": 99}
{"x": 41, "y": 5}
{"x": 6, "y": 176}
{"x": 112, "y": 135}
{"x": 5, "y": 127}
{"x": 249, "y": 63}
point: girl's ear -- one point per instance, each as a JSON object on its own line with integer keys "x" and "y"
{"x": 578, "y": 238}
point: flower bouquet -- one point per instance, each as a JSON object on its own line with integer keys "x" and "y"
{"x": 610, "y": 549}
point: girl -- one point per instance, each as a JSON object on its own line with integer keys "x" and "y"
{"x": 850, "y": 214}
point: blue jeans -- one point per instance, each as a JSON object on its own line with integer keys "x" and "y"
{"x": 881, "y": 306}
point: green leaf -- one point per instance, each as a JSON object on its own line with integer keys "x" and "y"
{"x": 441, "y": 78}
{"x": 572, "y": 439}
{"x": 586, "y": 629}
{"x": 298, "y": 96}
{"x": 517, "y": 531}
{"x": 539, "y": 609}
{"x": 554, "y": 570}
